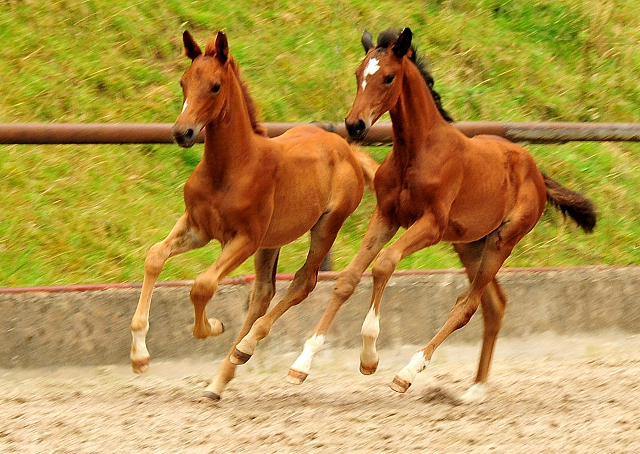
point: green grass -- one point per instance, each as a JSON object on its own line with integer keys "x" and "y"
{"x": 80, "y": 214}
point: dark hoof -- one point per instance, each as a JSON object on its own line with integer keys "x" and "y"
{"x": 212, "y": 396}
{"x": 238, "y": 358}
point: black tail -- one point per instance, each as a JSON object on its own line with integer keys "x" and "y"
{"x": 571, "y": 203}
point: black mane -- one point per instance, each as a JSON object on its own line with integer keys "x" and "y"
{"x": 389, "y": 37}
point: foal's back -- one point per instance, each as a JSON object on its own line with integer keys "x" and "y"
{"x": 316, "y": 172}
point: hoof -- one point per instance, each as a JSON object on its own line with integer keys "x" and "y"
{"x": 475, "y": 395}
{"x": 238, "y": 358}
{"x": 211, "y": 396}
{"x": 368, "y": 369}
{"x": 295, "y": 377}
{"x": 399, "y": 385}
{"x": 140, "y": 366}
{"x": 217, "y": 327}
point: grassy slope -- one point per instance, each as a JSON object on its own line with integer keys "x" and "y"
{"x": 71, "y": 214}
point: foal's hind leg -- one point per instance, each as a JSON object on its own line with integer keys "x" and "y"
{"x": 494, "y": 302}
{"x": 323, "y": 234}
{"x": 181, "y": 239}
{"x": 498, "y": 246}
{"x": 262, "y": 292}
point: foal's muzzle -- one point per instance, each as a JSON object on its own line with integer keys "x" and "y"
{"x": 185, "y": 136}
{"x": 357, "y": 129}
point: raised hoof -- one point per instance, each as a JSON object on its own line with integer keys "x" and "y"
{"x": 238, "y": 358}
{"x": 140, "y": 366}
{"x": 368, "y": 369}
{"x": 295, "y": 377}
{"x": 215, "y": 329}
{"x": 399, "y": 385}
{"x": 211, "y": 396}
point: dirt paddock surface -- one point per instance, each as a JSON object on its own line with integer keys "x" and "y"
{"x": 548, "y": 394}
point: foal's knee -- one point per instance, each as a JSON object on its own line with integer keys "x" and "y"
{"x": 155, "y": 260}
{"x": 385, "y": 265}
{"x": 346, "y": 284}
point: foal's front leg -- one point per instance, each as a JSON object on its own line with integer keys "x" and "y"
{"x": 181, "y": 239}
{"x": 423, "y": 233}
{"x": 234, "y": 252}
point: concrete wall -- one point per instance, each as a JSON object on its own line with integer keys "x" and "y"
{"x": 92, "y": 327}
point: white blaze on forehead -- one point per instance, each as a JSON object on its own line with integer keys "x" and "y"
{"x": 371, "y": 68}
{"x": 184, "y": 107}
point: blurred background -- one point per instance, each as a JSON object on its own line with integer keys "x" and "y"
{"x": 88, "y": 214}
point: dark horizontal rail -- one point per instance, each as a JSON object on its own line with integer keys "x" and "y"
{"x": 380, "y": 134}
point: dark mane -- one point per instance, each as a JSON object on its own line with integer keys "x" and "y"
{"x": 388, "y": 38}
{"x": 249, "y": 102}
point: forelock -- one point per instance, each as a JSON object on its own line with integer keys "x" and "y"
{"x": 388, "y": 37}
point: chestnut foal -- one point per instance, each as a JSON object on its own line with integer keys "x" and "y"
{"x": 251, "y": 193}
{"x": 482, "y": 194}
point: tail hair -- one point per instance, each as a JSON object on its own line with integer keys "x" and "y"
{"x": 571, "y": 203}
{"x": 369, "y": 166}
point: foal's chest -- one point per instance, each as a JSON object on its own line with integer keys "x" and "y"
{"x": 399, "y": 198}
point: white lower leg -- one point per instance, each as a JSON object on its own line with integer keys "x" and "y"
{"x": 302, "y": 366}
{"x": 476, "y": 394}
{"x": 370, "y": 332}
{"x": 405, "y": 377}
{"x": 139, "y": 352}
{"x": 246, "y": 346}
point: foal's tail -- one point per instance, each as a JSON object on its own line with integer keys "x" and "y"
{"x": 369, "y": 166}
{"x": 571, "y": 203}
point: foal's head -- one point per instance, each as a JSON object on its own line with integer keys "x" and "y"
{"x": 380, "y": 77}
{"x": 204, "y": 86}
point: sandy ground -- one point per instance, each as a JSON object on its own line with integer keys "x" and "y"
{"x": 548, "y": 394}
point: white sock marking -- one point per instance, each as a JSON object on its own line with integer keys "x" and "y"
{"x": 476, "y": 394}
{"x": 139, "y": 349}
{"x": 370, "y": 332}
{"x": 417, "y": 364}
{"x": 311, "y": 347}
{"x": 371, "y": 325}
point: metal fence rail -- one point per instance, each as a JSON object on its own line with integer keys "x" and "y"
{"x": 380, "y": 134}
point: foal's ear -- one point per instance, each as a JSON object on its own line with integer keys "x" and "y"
{"x": 191, "y": 49}
{"x": 222, "y": 47}
{"x": 403, "y": 44}
{"x": 367, "y": 41}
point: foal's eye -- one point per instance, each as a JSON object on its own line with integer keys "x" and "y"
{"x": 388, "y": 79}
{"x": 215, "y": 88}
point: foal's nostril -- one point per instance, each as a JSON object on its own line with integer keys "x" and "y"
{"x": 355, "y": 129}
{"x": 188, "y": 135}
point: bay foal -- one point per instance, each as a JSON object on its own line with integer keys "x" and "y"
{"x": 482, "y": 194}
{"x": 252, "y": 194}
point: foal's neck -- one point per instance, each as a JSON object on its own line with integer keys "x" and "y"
{"x": 229, "y": 138}
{"x": 415, "y": 118}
